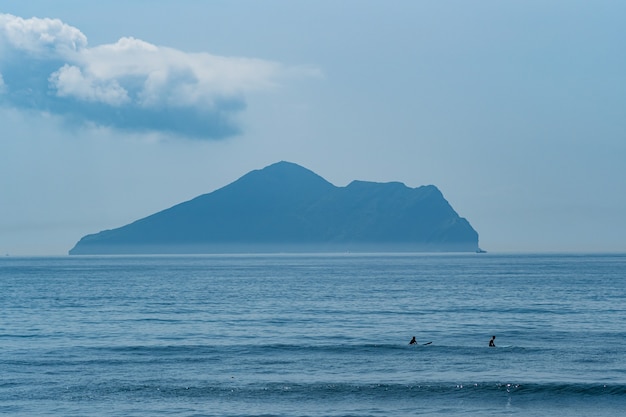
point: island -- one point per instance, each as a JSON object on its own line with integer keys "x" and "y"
{"x": 287, "y": 208}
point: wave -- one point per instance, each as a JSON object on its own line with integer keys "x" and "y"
{"x": 185, "y": 353}
{"x": 301, "y": 391}
{"x": 445, "y": 388}
{"x": 249, "y": 371}
{"x": 290, "y": 347}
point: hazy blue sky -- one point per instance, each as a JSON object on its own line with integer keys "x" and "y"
{"x": 516, "y": 110}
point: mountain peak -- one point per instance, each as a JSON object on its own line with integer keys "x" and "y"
{"x": 285, "y": 171}
{"x": 284, "y": 179}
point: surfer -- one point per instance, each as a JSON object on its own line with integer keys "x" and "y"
{"x": 413, "y": 341}
{"x": 492, "y": 342}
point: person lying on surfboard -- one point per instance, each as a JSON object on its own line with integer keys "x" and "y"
{"x": 414, "y": 342}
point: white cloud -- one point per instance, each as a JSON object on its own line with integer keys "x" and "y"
{"x": 2, "y": 87}
{"x": 39, "y": 36}
{"x": 69, "y": 81}
{"x": 167, "y": 76}
{"x": 128, "y": 84}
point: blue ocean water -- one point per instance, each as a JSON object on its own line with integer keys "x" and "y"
{"x": 313, "y": 335}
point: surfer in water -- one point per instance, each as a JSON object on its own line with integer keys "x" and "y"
{"x": 413, "y": 341}
{"x": 492, "y": 342}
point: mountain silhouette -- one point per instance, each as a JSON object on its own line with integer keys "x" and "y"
{"x": 287, "y": 208}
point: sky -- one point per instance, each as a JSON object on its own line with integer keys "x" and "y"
{"x": 112, "y": 111}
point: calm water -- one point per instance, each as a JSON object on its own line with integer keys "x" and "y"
{"x": 313, "y": 335}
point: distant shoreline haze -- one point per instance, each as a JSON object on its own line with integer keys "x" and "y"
{"x": 287, "y": 208}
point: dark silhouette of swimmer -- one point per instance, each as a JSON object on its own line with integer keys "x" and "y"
{"x": 413, "y": 341}
{"x": 492, "y": 342}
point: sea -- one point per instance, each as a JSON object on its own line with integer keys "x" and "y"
{"x": 313, "y": 335}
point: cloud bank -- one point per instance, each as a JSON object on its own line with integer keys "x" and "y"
{"x": 132, "y": 85}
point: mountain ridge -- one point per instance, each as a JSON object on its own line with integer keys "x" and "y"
{"x": 287, "y": 208}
